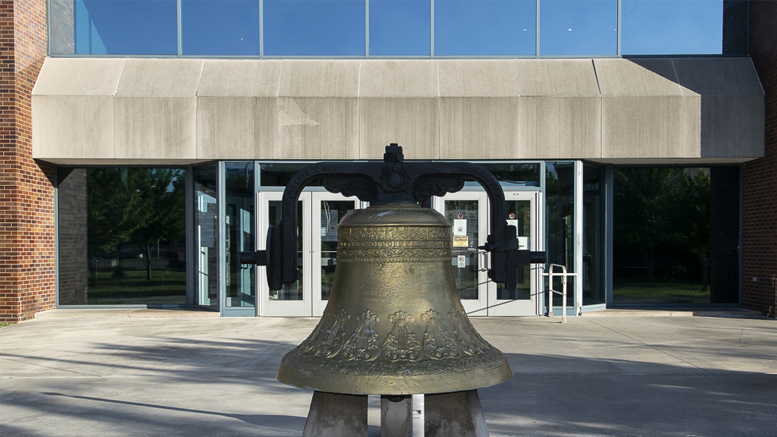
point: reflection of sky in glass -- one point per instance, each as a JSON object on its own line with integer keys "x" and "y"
{"x": 400, "y": 27}
{"x": 126, "y": 27}
{"x": 578, "y": 27}
{"x": 484, "y": 27}
{"x": 220, "y": 27}
{"x": 314, "y": 27}
{"x": 397, "y": 27}
{"x": 672, "y": 27}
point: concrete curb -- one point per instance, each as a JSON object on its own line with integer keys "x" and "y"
{"x": 122, "y": 313}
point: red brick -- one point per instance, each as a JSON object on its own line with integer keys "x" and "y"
{"x": 27, "y": 283}
{"x": 759, "y": 177}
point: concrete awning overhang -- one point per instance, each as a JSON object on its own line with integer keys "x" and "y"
{"x": 133, "y": 111}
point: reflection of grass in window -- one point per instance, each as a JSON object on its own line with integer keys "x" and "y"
{"x": 167, "y": 287}
{"x": 630, "y": 291}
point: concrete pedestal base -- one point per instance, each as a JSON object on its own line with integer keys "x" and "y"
{"x": 456, "y": 414}
{"x": 396, "y": 416}
{"x": 336, "y": 415}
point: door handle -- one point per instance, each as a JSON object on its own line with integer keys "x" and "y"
{"x": 483, "y": 260}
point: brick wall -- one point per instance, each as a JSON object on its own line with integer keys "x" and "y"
{"x": 27, "y": 245}
{"x": 759, "y": 177}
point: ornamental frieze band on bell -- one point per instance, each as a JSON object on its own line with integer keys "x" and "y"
{"x": 394, "y": 324}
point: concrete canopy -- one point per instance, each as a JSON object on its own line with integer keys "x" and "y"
{"x": 176, "y": 111}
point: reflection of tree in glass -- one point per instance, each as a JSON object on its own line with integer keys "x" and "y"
{"x": 663, "y": 209}
{"x": 160, "y": 217}
{"x": 693, "y": 217}
{"x": 141, "y": 205}
{"x": 559, "y": 189}
{"x": 111, "y": 206}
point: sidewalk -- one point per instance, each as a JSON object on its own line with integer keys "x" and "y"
{"x": 66, "y": 374}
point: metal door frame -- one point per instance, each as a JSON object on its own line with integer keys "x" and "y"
{"x": 311, "y": 303}
{"x": 473, "y": 307}
{"x": 284, "y": 308}
{"x": 532, "y": 307}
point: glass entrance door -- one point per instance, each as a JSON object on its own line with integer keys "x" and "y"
{"x": 318, "y": 214}
{"x": 468, "y": 212}
{"x": 292, "y": 299}
{"x": 329, "y": 209}
{"x": 522, "y": 213}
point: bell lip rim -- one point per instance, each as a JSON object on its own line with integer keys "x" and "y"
{"x": 338, "y": 383}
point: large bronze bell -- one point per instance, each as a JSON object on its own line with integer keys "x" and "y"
{"x": 394, "y": 323}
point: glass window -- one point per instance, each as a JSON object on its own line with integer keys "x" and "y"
{"x": 652, "y": 27}
{"x": 560, "y": 223}
{"x": 725, "y": 230}
{"x": 519, "y": 215}
{"x": 484, "y": 27}
{"x": 239, "y": 236}
{"x": 125, "y": 27}
{"x": 61, "y": 30}
{"x": 332, "y": 212}
{"x": 594, "y": 196}
{"x": 122, "y": 236}
{"x": 515, "y": 174}
{"x": 206, "y": 235}
{"x": 735, "y": 27}
{"x": 661, "y": 235}
{"x": 314, "y": 27}
{"x": 400, "y": 27}
{"x": 278, "y": 175}
{"x": 274, "y": 215}
{"x": 578, "y": 27}
{"x": 220, "y": 27}
{"x": 467, "y": 277}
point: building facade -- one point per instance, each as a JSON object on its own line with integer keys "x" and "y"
{"x": 147, "y": 143}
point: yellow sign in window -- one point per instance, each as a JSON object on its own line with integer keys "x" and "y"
{"x": 460, "y": 241}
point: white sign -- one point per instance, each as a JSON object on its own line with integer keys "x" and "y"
{"x": 523, "y": 243}
{"x": 513, "y": 223}
{"x": 462, "y": 260}
{"x": 460, "y": 227}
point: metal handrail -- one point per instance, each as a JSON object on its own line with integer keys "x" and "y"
{"x": 551, "y": 274}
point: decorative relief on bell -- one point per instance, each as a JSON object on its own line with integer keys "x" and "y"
{"x": 388, "y": 244}
{"x": 363, "y": 344}
{"x": 328, "y": 342}
{"x": 438, "y": 343}
{"x": 470, "y": 342}
{"x": 392, "y": 233}
{"x": 401, "y": 342}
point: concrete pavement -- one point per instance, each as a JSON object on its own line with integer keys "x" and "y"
{"x": 123, "y": 373}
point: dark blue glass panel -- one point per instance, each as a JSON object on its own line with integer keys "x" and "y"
{"x": 314, "y": 27}
{"x": 220, "y": 27}
{"x": 126, "y": 27}
{"x": 578, "y": 27}
{"x": 484, "y": 27}
{"x": 400, "y": 27}
{"x": 654, "y": 27}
